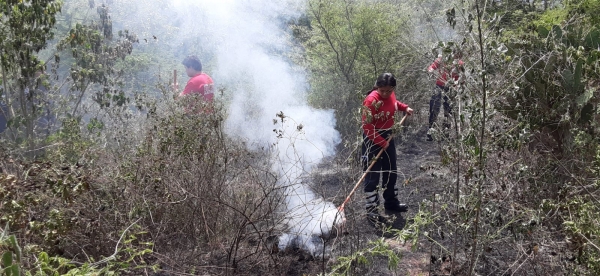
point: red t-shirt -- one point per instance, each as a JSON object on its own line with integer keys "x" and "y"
{"x": 201, "y": 84}
{"x": 444, "y": 71}
{"x": 378, "y": 114}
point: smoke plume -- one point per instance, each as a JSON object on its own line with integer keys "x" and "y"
{"x": 243, "y": 46}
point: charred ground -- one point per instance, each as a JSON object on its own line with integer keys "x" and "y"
{"x": 427, "y": 184}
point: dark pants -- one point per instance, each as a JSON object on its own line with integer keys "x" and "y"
{"x": 436, "y": 102}
{"x": 385, "y": 168}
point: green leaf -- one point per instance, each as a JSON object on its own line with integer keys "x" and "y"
{"x": 568, "y": 78}
{"x": 15, "y": 246}
{"x": 551, "y": 64}
{"x": 557, "y": 32}
{"x": 592, "y": 39}
{"x": 7, "y": 259}
{"x": 542, "y": 31}
{"x": 14, "y": 269}
{"x": 44, "y": 257}
{"x": 577, "y": 76}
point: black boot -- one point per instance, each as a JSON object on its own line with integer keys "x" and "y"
{"x": 395, "y": 207}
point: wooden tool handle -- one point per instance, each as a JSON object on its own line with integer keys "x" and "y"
{"x": 341, "y": 208}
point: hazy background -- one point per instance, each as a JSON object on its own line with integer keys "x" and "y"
{"x": 243, "y": 47}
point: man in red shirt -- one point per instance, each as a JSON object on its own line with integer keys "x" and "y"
{"x": 448, "y": 76}
{"x": 199, "y": 83}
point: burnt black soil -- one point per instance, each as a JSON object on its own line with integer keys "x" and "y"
{"x": 421, "y": 177}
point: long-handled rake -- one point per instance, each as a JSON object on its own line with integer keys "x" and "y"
{"x": 341, "y": 208}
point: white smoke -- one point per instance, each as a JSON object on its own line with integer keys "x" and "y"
{"x": 250, "y": 51}
{"x": 243, "y": 45}
{"x": 308, "y": 216}
{"x": 253, "y": 49}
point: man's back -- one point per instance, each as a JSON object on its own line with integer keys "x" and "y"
{"x": 201, "y": 84}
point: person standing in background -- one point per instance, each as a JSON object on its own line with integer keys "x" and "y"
{"x": 448, "y": 77}
{"x": 200, "y": 83}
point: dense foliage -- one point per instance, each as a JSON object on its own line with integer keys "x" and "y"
{"x": 25, "y": 29}
{"x": 347, "y": 45}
